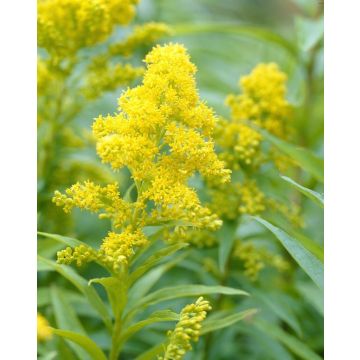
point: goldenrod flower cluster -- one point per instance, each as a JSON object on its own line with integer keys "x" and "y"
{"x": 239, "y": 142}
{"x": 263, "y": 99}
{"x": 200, "y": 238}
{"x": 142, "y": 35}
{"x": 94, "y": 198}
{"x": 186, "y": 330}
{"x": 162, "y": 134}
{"x": 102, "y": 76}
{"x": 262, "y": 103}
{"x": 43, "y": 328}
{"x": 115, "y": 251}
{"x": 252, "y": 198}
{"x": 231, "y": 200}
{"x": 255, "y": 258}
{"x": 65, "y": 26}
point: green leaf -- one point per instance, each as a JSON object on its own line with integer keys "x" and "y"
{"x": 48, "y": 247}
{"x": 307, "y": 261}
{"x": 63, "y": 239}
{"x": 309, "y": 244}
{"x": 226, "y": 235}
{"x": 152, "y": 353}
{"x": 116, "y": 290}
{"x": 303, "y": 157}
{"x": 146, "y": 282}
{"x": 154, "y": 259}
{"x": 157, "y": 316}
{"x": 213, "y": 325}
{"x": 48, "y": 356}
{"x": 279, "y": 308}
{"x": 86, "y": 343}
{"x": 180, "y": 291}
{"x": 311, "y": 194}
{"x": 243, "y": 30}
{"x": 81, "y": 284}
{"x": 66, "y": 318}
{"x": 309, "y": 32}
{"x": 291, "y": 342}
{"x": 313, "y": 295}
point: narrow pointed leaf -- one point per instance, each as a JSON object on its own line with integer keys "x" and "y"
{"x": 175, "y": 292}
{"x": 306, "y": 260}
{"x": 156, "y": 317}
{"x": 115, "y": 290}
{"x": 86, "y": 343}
{"x": 227, "y": 237}
{"x": 147, "y": 281}
{"x": 154, "y": 260}
{"x": 152, "y": 353}
{"x": 291, "y": 342}
{"x": 311, "y": 194}
{"x": 303, "y": 157}
{"x": 213, "y": 325}
{"x": 279, "y": 308}
{"x": 66, "y": 318}
{"x": 81, "y": 284}
{"x": 62, "y": 239}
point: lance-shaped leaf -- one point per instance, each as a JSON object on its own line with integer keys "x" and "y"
{"x": 180, "y": 291}
{"x": 152, "y": 353}
{"x": 85, "y": 342}
{"x": 81, "y": 284}
{"x": 303, "y": 157}
{"x": 66, "y": 319}
{"x": 154, "y": 260}
{"x": 291, "y": 342}
{"x": 307, "y": 261}
{"x": 311, "y": 194}
{"x": 217, "y": 324}
{"x": 156, "y": 317}
{"x": 147, "y": 281}
{"x": 63, "y": 239}
{"x": 116, "y": 290}
{"x": 227, "y": 237}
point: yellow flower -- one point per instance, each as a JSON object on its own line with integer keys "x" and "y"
{"x": 142, "y": 35}
{"x": 65, "y": 26}
{"x": 263, "y": 99}
{"x": 251, "y": 258}
{"x": 117, "y": 249}
{"x": 44, "y": 331}
{"x": 103, "y": 76}
{"x": 255, "y": 258}
{"x": 95, "y": 198}
{"x": 162, "y": 133}
{"x": 80, "y": 254}
{"x": 252, "y": 199}
{"x": 186, "y": 330}
{"x": 263, "y": 103}
{"x": 239, "y": 142}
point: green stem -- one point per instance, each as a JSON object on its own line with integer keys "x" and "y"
{"x": 115, "y": 338}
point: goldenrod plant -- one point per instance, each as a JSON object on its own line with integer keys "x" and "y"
{"x": 163, "y": 135}
{"x": 186, "y": 221}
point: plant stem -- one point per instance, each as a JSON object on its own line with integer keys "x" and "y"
{"x": 115, "y": 337}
